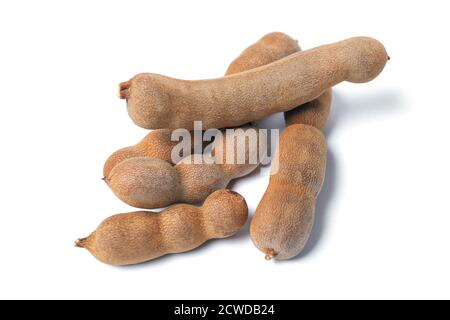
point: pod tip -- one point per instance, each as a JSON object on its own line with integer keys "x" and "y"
{"x": 80, "y": 243}
{"x": 270, "y": 254}
{"x": 124, "y": 89}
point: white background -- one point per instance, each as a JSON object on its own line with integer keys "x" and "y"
{"x": 383, "y": 217}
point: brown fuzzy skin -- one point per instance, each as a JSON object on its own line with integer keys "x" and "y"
{"x": 272, "y": 47}
{"x": 155, "y": 101}
{"x": 284, "y": 218}
{"x": 148, "y": 183}
{"x": 314, "y": 113}
{"x": 157, "y": 144}
{"x": 136, "y": 237}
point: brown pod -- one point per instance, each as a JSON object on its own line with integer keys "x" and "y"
{"x": 145, "y": 182}
{"x": 270, "y": 48}
{"x": 155, "y": 101}
{"x": 157, "y": 144}
{"x": 136, "y": 237}
{"x": 284, "y": 218}
{"x": 314, "y": 113}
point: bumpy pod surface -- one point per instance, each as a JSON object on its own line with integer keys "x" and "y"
{"x": 270, "y": 48}
{"x": 136, "y": 237}
{"x": 155, "y": 101}
{"x": 284, "y": 218}
{"x": 145, "y": 182}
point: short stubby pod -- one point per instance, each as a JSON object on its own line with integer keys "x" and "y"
{"x": 284, "y": 218}
{"x": 148, "y": 183}
{"x": 136, "y": 237}
{"x": 157, "y": 144}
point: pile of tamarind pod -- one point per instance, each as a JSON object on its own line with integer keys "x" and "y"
{"x": 272, "y": 75}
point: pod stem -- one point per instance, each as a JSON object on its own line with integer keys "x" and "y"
{"x": 270, "y": 254}
{"x": 123, "y": 89}
{"x": 81, "y": 243}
